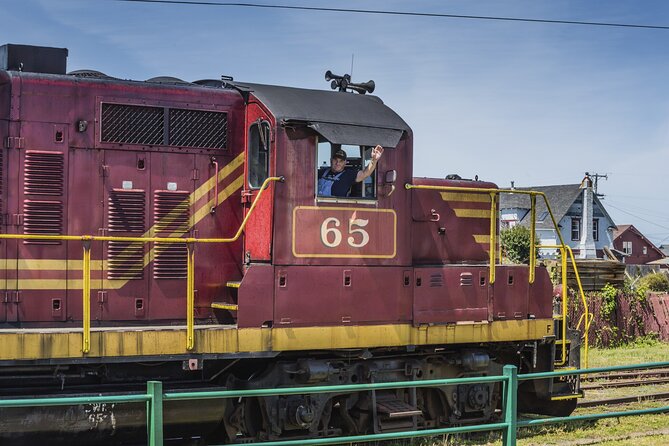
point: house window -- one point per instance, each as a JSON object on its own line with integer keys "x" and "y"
{"x": 627, "y": 247}
{"x": 576, "y": 229}
{"x": 595, "y": 229}
{"x": 645, "y": 250}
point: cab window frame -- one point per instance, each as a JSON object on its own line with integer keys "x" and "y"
{"x": 357, "y": 157}
{"x": 259, "y": 153}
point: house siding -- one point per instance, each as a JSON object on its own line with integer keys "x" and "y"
{"x": 638, "y": 243}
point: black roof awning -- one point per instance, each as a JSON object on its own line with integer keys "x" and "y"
{"x": 356, "y": 135}
{"x": 342, "y": 118}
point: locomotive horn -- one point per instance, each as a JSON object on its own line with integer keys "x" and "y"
{"x": 329, "y": 75}
{"x": 364, "y": 87}
{"x": 338, "y": 82}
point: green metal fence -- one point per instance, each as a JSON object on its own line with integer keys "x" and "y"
{"x": 154, "y": 398}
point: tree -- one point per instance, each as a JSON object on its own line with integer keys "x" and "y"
{"x": 516, "y": 244}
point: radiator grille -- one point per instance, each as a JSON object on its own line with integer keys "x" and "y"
{"x": 144, "y": 125}
{"x": 127, "y": 210}
{"x": 197, "y": 128}
{"x": 132, "y": 124}
{"x": 171, "y": 219}
{"x": 42, "y": 217}
{"x": 43, "y": 173}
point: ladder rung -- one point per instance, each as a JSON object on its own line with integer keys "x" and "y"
{"x": 559, "y": 342}
{"x": 224, "y": 306}
{"x": 570, "y": 396}
{"x": 233, "y": 284}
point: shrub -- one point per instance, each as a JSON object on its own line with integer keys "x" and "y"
{"x": 658, "y": 282}
{"x": 515, "y": 243}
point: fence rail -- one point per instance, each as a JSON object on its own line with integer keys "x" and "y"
{"x": 154, "y": 398}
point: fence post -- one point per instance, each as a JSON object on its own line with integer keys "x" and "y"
{"x": 154, "y": 413}
{"x": 510, "y": 404}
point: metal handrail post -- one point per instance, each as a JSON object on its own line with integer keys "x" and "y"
{"x": 190, "y": 297}
{"x": 493, "y": 233}
{"x": 586, "y": 312}
{"x": 86, "y": 298}
{"x": 563, "y": 253}
{"x": 154, "y": 413}
{"x": 533, "y": 225}
{"x": 510, "y": 405}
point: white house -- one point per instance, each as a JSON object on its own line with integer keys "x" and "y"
{"x": 582, "y": 219}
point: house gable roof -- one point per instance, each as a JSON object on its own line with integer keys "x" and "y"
{"x": 622, "y": 229}
{"x": 561, "y": 197}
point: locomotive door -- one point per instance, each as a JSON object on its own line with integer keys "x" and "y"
{"x": 259, "y": 140}
{"x": 172, "y": 188}
{"x": 39, "y": 293}
{"x": 126, "y": 202}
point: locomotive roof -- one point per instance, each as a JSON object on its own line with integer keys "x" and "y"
{"x": 342, "y": 118}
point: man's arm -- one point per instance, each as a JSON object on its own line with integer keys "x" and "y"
{"x": 376, "y": 155}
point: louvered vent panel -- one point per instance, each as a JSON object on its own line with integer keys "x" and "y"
{"x": 43, "y": 173}
{"x": 171, "y": 219}
{"x": 132, "y": 124}
{"x": 41, "y": 217}
{"x": 436, "y": 280}
{"x": 127, "y": 210}
{"x": 197, "y": 128}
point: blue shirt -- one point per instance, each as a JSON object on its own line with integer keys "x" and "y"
{"x": 332, "y": 184}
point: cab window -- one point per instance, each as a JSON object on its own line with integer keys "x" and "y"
{"x": 357, "y": 158}
{"x": 259, "y": 137}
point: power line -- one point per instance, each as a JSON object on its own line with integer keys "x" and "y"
{"x": 635, "y": 216}
{"x": 399, "y": 13}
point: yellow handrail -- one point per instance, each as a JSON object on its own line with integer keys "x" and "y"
{"x": 190, "y": 266}
{"x": 564, "y": 249}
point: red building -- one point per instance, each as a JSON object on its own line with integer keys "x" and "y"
{"x": 638, "y": 249}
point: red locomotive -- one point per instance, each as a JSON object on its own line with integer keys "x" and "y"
{"x": 269, "y": 283}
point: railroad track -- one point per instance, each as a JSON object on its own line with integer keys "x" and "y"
{"x": 602, "y": 381}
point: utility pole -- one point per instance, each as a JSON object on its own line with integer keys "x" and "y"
{"x": 597, "y": 176}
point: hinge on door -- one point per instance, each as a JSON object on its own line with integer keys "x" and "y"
{"x": 17, "y": 219}
{"x": 104, "y": 170}
{"x": 102, "y": 297}
{"x": 15, "y": 142}
{"x": 17, "y": 297}
{"x": 195, "y": 175}
{"x": 247, "y": 196}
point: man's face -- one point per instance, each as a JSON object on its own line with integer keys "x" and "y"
{"x": 337, "y": 164}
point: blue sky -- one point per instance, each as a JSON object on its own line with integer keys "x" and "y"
{"x": 537, "y": 104}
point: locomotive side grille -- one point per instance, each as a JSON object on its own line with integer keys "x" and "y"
{"x": 125, "y": 260}
{"x": 126, "y": 214}
{"x": 132, "y": 124}
{"x": 42, "y": 217}
{"x": 436, "y": 280}
{"x": 43, "y": 173}
{"x": 198, "y": 128}
{"x": 144, "y": 125}
{"x": 171, "y": 219}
